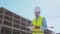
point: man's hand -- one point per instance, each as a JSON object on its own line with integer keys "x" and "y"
{"x": 37, "y": 27}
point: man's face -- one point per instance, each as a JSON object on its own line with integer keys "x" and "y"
{"x": 37, "y": 14}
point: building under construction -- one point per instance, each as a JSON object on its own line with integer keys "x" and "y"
{"x": 49, "y": 32}
{"x": 11, "y": 23}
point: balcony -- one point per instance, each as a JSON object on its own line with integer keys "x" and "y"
{"x": 6, "y": 22}
{"x": 9, "y": 13}
{"x": 5, "y": 30}
{"x": 16, "y": 25}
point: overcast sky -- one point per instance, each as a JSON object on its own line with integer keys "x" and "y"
{"x": 50, "y": 9}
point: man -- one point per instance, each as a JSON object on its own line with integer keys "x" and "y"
{"x": 39, "y": 22}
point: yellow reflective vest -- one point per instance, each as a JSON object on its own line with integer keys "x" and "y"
{"x": 39, "y": 22}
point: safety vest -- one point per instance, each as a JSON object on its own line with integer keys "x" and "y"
{"x": 39, "y": 22}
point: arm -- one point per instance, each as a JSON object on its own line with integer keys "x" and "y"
{"x": 44, "y": 24}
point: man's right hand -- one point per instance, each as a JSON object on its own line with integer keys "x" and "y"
{"x": 37, "y": 27}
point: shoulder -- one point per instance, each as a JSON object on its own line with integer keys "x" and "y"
{"x": 44, "y": 19}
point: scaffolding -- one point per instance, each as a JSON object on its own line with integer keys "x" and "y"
{"x": 11, "y": 23}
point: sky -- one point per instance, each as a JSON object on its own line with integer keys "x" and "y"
{"x": 50, "y": 9}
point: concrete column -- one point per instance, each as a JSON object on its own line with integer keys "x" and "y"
{"x": 4, "y": 32}
{"x": 3, "y": 16}
{"x": 12, "y": 24}
{"x": 20, "y": 33}
{"x": 26, "y": 26}
{"x": 20, "y": 23}
{"x": 0, "y": 28}
{"x": 2, "y": 20}
{"x": 11, "y": 31}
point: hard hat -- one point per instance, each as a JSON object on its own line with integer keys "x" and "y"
{"x": 37, "y": 9}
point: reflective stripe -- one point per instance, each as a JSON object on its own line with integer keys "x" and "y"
{"x": 37, "y": 31}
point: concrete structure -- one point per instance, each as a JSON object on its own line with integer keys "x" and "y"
{"x": 57, "y": 33}
{"x": 49, "y": 32}
{"x": 11, "y": 23}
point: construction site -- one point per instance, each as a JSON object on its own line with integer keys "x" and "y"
{"x": 11, "y": 23}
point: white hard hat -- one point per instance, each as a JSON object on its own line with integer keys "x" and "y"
{"x": 37, "y": 9}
